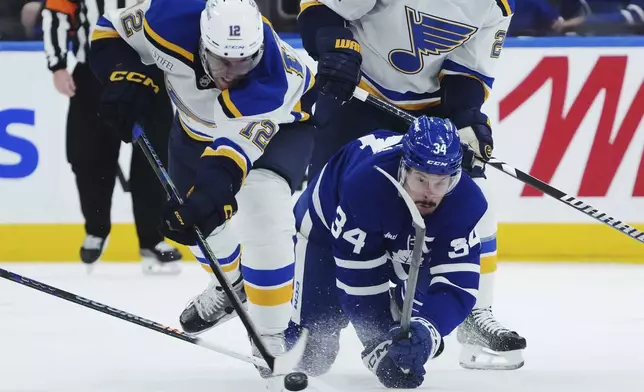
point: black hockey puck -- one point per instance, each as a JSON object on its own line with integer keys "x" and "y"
{"x": 296, "y": 381}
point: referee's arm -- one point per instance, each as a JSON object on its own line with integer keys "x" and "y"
{"x": 57, "y": 20}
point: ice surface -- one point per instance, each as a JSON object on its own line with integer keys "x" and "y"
{"x": 584, "y": 324}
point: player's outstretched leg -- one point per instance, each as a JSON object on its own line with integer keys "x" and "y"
{"x": 266, "y": 226}
{"x": 213, "y": 307}
{"x": 487, "y": 344}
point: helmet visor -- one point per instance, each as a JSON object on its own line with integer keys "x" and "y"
{"x": 228, "y": 68}
{"x": 431, "y": 185}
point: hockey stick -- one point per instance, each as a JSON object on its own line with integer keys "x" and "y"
{"x": 525, "y": 178}
{"x": 278, "y": 364}
{"x": 416, "y": 254}
{"x": 123, "y": 315}
{"x": 125, "y": 183}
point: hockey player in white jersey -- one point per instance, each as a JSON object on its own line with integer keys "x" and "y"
{"x": 242, "y": 99}
{"x": 429, "y": 57}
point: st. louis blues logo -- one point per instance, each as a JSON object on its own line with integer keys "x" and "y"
{"x": 428, "y": 34}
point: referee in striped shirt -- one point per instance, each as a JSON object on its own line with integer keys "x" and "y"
{"x": 93, "y": 148}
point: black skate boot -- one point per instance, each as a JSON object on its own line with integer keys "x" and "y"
{"x": 210, "y": 308}
{"x": 487, "y": 344}
{"x": 163, "y": 259}
{"x": 91, "y": 250}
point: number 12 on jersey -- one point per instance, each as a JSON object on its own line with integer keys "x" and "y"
{"x": 355, "y": 237}
{"x": 260, "y": 133}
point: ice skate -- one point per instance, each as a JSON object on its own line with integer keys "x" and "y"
{"x": 276, "y": 345}
{"x": 163, "y": 259}
{"x": 487, "y": 344}
{"x": 91, "y": 250}
{"x": 210, "y": 308}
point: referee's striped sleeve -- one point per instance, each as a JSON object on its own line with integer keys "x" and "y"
{"x": 56, "y": 25}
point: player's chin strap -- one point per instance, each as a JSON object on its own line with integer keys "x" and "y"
{"x": 524, "y": 177}
{"x": 416, "y": 254}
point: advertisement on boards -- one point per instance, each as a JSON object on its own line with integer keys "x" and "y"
{"x": 571, "y": 117}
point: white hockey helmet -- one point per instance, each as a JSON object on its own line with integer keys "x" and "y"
{"x": 232, "y": 38}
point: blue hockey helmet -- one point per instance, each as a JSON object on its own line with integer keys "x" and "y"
{"x": 432, "y": 148}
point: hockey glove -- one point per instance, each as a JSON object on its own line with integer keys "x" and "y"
{"x": 339, "y": 63}
{"x": 127, "y": 98}
{"x": 208, "y": 205}
{"x": 476, "y": 135}
{"x": 400, "y": 362}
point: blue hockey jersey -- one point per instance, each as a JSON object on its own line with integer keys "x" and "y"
{"x": 355, "y": 211}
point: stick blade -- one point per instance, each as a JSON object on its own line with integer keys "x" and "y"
{"x": 286, "y": 362}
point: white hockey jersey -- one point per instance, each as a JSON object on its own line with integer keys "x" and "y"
{"x": 167, "y": 33}
{"x": 407, "y": 45}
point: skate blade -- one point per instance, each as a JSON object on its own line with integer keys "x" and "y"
{"x": 479, "y": 358}
{"x": 154, "y": 267}
{"x": 89, "y": 268}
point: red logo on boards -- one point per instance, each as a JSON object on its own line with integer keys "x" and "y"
{"x": 606, "y": 78}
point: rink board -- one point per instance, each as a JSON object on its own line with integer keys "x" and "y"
{"x": 566, "y": 110}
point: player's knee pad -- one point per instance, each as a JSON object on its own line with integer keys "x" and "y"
{"x": 266, "y": 227}
{"x": 224, "y": 243}
{"x": 486, "y": 229}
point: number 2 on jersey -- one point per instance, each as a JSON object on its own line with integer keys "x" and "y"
{"x": 132, "y": 22}
{"x": 497, "y": 46}
{"x": 355, "y": 237}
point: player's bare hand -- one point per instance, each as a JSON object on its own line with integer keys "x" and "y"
{"x": 64, "y": 83}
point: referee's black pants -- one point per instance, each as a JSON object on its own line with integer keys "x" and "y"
{"x": 93, "y": 151}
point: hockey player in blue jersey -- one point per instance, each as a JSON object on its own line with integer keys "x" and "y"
{"x": 355, "y": 235}
{"x": 434, "y": 58}
{"x": 242, "y": 99}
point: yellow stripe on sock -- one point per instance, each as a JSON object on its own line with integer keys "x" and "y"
{"x": 269, "y": 297}
{"x": 226, "y": 268}
{"x": 488, "y": 264}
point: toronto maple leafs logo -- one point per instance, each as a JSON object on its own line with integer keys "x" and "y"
{"x": 403, "y": 256}
{"x": 428, "y": 35}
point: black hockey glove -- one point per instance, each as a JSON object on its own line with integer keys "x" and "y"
{"x": 476, "y": 135}
{"x": 209, "y": 203}
{"x": 127, "y": 97}
{"x": 339, "y": 63}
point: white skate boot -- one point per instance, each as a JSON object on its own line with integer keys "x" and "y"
{"x": 210, "y": 308}
{"x": 276, "y": 345}
{"x": 487, "y": 344}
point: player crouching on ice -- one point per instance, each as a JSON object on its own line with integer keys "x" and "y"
{"x": 355, "y": 236}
